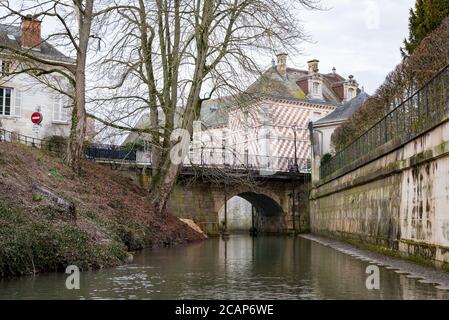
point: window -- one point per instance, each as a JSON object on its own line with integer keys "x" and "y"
{"x": 316, "y": 88}
{"x": 60, "y": 110}
{"x": 5, "y": 101}
{"x": 351, "y": 93}
{"x": 5, "y": 67}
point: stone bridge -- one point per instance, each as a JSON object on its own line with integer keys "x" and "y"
{"x": 277, "y": 188}
{"x": 275, "y": 210}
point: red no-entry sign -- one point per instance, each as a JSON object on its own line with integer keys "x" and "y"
{"x": 36, "y": 117}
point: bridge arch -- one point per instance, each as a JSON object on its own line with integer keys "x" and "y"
{"x": 245, "y": 210}
{"x": 272, "y": 207}
{"x": 202, "y": 202}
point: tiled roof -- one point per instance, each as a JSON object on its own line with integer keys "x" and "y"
{"x": 344, "y": 112}
{"x": 271, "y": 85}
{"x": 11, "y": 36}
{"x": 293, "y": 85}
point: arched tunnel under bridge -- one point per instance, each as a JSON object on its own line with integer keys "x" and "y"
{"x": 204, "y": 203}
{"x": 249, "y": 210}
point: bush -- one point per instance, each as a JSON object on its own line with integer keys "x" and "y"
{"x": 55, "y": 144}
{"x": 326, "y": 158}
{"x": 427, "y": 59}
{"x": 29, "y": 247}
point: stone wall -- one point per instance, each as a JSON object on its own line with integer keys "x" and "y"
{"x": 396, "y": 197}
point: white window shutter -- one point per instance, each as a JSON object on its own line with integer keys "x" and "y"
{"x": 17, "y": 102}
{"x": 56, "y": 107}
{"x": 65, "y": 109}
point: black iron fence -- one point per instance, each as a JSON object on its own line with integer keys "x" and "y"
{"x": 217, "y": 158}
{"x": 213, "y": 157}
{"x": 200, "y": 157}
{"x": 110, "y": 152}
{"x": 426, "y": 108}
{"x": 8, "y": 136}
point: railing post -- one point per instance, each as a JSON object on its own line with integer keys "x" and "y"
{"x": 223, "y": 155}
{"x": 202, "y": 163}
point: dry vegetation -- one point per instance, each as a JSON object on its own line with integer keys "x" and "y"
{"x": 431, "y": 56}
{"x": 112, "y": 215}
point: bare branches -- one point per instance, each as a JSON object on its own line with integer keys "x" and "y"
{"x": 175, "y": 54}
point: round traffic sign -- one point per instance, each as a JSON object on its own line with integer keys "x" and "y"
{"x": 36, "y": 117}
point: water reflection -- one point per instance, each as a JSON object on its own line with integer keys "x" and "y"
{"x": 240, "y": 268}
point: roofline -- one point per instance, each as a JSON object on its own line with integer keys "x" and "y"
{"x": 319, "y": 124}
{"x": 300, "y": 100}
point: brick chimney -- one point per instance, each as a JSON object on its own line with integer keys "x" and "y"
{"x": 313, "y": 66}
{"x": 31, "y": 32}
{"x": 282, "y": 64}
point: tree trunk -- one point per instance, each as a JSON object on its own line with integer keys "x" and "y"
{"x": 78, "y": 128}
{"x": 161, "y": 191}
{"x": 76, "y": 139}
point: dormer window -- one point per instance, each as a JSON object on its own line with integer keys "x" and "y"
{"x": 351, "y": 93}
{"x": 316, "y": 88}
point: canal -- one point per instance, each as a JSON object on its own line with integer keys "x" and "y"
{"x": 239, "y": 268}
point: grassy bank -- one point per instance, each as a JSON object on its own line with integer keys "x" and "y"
{"x": 107, "y": 217}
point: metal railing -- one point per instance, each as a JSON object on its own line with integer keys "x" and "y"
{"x": 110, "y": 152}
{"x": 9, "y": 136}
{"x": 222, "y": 158}
{"x": 214, "y": 158}
{"x": 426, "y": 108}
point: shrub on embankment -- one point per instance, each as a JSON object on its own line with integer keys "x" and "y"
{"x": 427, "y": 59}
{"x": 106, "y": 215}
{"x": 33, "y": 246}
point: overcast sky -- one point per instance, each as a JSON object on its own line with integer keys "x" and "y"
{"x": 359, "y": 37}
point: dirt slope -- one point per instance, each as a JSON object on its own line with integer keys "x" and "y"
{"x": 109, "y": 215}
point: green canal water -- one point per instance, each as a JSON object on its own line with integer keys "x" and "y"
{"x": 239, "y": 268}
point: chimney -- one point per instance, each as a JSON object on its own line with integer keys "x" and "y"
{"x": 313, "y": 66}
{"x": 31, "y": 32}
{"x": 282, "y": 64}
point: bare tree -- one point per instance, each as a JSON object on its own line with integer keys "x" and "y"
{"x": 168, "y": 56}
{"x": 74, "y": 19}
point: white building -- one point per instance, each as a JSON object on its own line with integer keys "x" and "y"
{"x": 21, "y": 94}
{"x": 276, "y": 113}
{"x": 275, "y": 121}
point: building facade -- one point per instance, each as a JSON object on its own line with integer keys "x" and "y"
{"x": 271, "y": 129}
{"x": 273, "y": 121}
{"x": 22, "y": 94}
